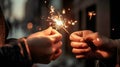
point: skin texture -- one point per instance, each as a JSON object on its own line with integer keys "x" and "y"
{"x": 45, "y": 46}
{"x": 88, "y": 44}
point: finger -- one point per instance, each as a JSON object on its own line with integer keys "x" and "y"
{"x": 56, "y": 46}
{"x": 57, "y": 54}
{"x": 86, "y": 32}
{"x": 104, "y": 54}
{"x": 79, "y": 44}
{"x": 76, "y": 36}
{"x": 55, "y": 38}
{"x": 92, "y": 36}
{"x": 54, "y": 32}
{"x": 47, "y": 31}
{"x": 55, "y": 35}
{"x": 80, "y": 51}
{"x": 98, "y": 42}
{"x": 95, "y": 38}
{"x": 80, "y": 56}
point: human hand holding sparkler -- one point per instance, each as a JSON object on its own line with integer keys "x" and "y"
{"x": 87, "y": 44}
{"x": 45, "y": 46}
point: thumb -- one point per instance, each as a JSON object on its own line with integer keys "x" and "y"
{"x": 55, "y": 35}
{"x": 47, "y": 31}
{"x": 95, "y": 38}
{"x": 92, "y": 36}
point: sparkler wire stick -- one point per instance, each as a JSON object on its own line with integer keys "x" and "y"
{"x": 58, "y": 22}
{"x": 94, "y": 48}
{"x": 65, "y": 30}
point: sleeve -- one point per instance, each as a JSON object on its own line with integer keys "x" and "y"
{"x": 117, "y": 42}
{"x": 15, "y": 53}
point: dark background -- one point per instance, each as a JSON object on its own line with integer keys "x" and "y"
{"x": 105, "y": 21}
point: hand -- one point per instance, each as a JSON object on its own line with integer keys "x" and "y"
{"x": 45, "y": 46}
{"x": 87, "y": 44}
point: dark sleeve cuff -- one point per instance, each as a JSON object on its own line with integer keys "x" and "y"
{"x": 16, "y": 54}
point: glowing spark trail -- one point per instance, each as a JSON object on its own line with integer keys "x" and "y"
{"x": 58, "y": 21}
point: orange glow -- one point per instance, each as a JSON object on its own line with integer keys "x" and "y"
{"x": 58, "y": 19}
{"x": 63, "y": 11}
{"x": 30, "y": 25}
{"x": 91, "y": 14}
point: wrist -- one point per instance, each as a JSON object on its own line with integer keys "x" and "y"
{"x": 109, "y": 43}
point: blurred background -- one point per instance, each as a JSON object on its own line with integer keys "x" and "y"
{"x": 28, "y": 16}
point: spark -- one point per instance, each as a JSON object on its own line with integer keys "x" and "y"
{"x": 45, "y": 1}
{"x": 91, "y": 14}
{"x": 113, "y": 29}
{"x": 58, "y": 20}
{"x": 63, "y": 11}
{"x": 69, "y": 9}
{"x": 52, "y": 10}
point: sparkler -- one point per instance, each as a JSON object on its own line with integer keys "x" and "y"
{"x": 91, "y": 14}
{"x": 58, "y": 21}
